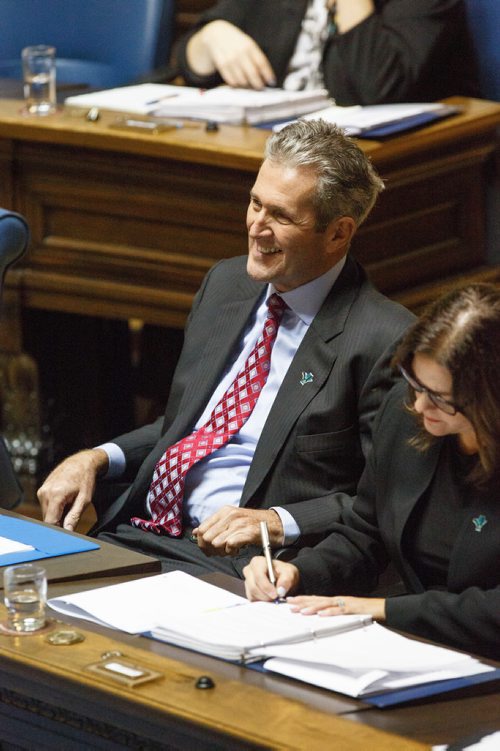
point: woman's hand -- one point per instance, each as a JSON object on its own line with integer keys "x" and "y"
{"x": 220, "y": 46}
{"x": 339, "y": 605}
{"x": 257, "y": 584}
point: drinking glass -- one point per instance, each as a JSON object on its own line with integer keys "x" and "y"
{"x": 25, "y": 595}
{"x": 39, "y": 75}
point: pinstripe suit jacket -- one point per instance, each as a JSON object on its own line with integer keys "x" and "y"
{"x": 317, "y": 435}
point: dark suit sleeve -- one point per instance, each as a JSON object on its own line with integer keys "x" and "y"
{"x": 275, "y": 31}
{"x": 406, "y": 51}
{"x": 468, "y": 620}
{"x": 350, "y": 559}
{"x": 226, "y": 10}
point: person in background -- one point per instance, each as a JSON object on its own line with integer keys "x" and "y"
{"x": 429, "y": 498}
{"x": 361, "y": 51}
{"x": 285, "y": 362}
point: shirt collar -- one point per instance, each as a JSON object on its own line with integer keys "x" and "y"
{"x": 306, "y": 300}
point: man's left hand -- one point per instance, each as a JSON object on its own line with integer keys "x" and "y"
{"x": 230, "y": 528}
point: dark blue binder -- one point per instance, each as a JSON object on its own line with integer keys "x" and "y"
{"x": 47, "y": 542}
{"x": 408, "y": 123}
{"x": 412, "y": 693}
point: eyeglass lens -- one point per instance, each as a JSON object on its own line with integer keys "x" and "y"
{"x": 438, "y": 401}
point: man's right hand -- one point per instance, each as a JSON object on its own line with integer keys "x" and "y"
{"x": 220, "y": 46}
{"x": 69, "y": 488}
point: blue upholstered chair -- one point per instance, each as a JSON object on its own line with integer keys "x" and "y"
{"x": 99, "y": 43}
{"x": 14, "y": 236}
{"x": 484, "y": 25}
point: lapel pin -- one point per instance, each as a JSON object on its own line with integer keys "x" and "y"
{"x": 306, "y": 378}
{"x": 479, "y": 522}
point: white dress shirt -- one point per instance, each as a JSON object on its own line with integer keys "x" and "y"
{"x": 304, "y": 68}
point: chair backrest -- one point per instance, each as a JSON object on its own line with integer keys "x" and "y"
{"x": 100, "y": 43}
{"x": 484, "y": 24}
{"x": 14, "y": 235}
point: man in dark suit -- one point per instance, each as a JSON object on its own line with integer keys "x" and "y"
{"x": 308, "y": 432}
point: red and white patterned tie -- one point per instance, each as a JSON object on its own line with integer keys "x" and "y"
{"x": 233, "y": 410}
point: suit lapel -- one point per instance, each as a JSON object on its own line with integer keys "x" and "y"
{"x": 315, "y": 356}
{"x": 470, "y": 559}
{"x": 214, "y": 358}
{"x": 420, "y": 474}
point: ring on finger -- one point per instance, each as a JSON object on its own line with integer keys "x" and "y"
{"x": 340, "y": 603}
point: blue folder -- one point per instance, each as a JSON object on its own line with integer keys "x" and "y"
{"x": 391, "y": 128}
{"x": 413, "y": 693}
{"x": 46, "y": 541}
{"x": 393, "y": 697}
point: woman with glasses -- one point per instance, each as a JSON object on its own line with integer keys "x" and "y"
{"x": 429, "y": 498}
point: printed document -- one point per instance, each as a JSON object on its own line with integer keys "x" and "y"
{"x": 222, "y": 104}
{"x": 346, "y": 653}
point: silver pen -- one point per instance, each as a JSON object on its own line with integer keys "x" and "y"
{"x": 266, "y": 549}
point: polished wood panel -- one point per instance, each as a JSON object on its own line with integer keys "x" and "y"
{"x": 125, "y": 225}
{"x": 168, "y": 713}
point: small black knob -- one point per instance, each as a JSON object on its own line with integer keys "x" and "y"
{"x": 211, "y": 127}
{"x": 204, "y": 681}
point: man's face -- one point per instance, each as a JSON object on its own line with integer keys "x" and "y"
{"x": 283, "y": 245}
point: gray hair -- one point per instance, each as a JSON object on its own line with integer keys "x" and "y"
{"x": 348, "y": 184}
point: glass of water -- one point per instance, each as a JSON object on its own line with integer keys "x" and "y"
{"x": 25, "y": 595}
{"x": 39, "y": 75}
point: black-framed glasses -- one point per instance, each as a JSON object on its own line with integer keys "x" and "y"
{"x": 439, "y": 401}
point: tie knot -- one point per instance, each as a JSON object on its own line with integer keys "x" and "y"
{"x": 276, "y": 306}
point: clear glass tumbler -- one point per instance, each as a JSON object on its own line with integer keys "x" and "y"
{"x": 39, "y": 75}
{"x": 25, "y": 596}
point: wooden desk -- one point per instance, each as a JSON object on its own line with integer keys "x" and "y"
{"x": 49, "y": 700}
{"x": 126, "y": 225}
{"x": 47, "y": 688}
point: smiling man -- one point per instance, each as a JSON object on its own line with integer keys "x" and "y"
{"x": 285, "y": 362}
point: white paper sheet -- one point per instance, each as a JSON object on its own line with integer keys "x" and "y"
{"x": 370, "y": 659}
{"x": 12, "y": 546}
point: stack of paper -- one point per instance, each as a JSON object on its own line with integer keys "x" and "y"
{"x": 190, "y": 613}
{"x": 378, "y": 120}
{"x": 347, "y": 653}
{"x": 370, "y": 660}
{"x": 222, "y": 104}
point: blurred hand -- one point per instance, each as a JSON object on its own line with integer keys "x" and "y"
{"x": 220, "y": 46}
{"x": 69, "y": 488}
{"x": 257, "y": 584}
{"x": 230, "y": 528}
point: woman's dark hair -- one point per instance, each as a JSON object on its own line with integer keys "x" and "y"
{"x": 461, "y": 331}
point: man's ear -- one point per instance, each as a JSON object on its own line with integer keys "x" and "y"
{"x": 340, "y": 232}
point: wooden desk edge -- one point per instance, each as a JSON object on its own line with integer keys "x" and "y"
{"x": 238, "y": 147}
{"x": 231, "y": 708}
